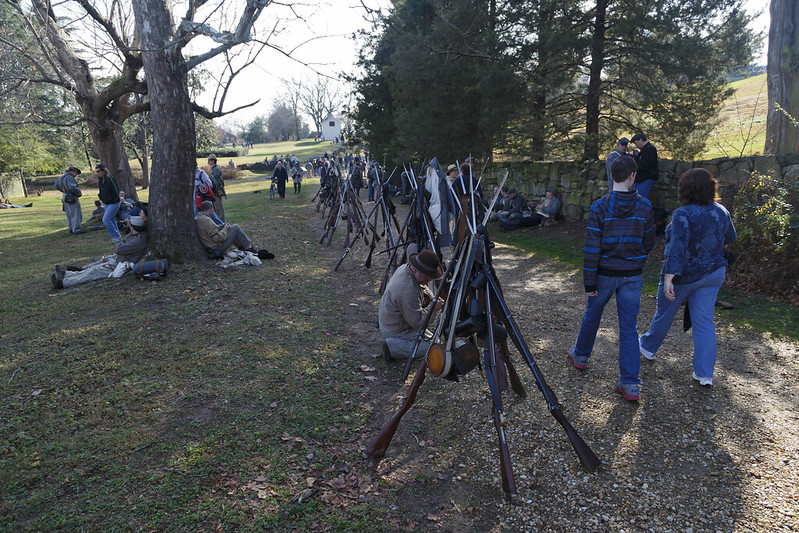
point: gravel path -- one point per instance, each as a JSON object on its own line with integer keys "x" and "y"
{"x": 685, "y": 458}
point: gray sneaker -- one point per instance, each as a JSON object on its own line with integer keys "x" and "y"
{"x": 646, "y": 353}
{"x": 579, "y": 361}
{"x": 630, "y": 391}
{"x": 705, "y": 382}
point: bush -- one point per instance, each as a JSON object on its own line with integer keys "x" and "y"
{"x": 223, "y": 152}
{"x": 766, "y": 217}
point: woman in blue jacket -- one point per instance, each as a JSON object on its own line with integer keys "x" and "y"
{"x": 693, "y": 270}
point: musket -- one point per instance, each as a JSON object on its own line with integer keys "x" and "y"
{"x": 587, "y": 457}
{"x": 490, "y": 362}
{"x": 383, "y": 439}
{"x": 363, "y": 229}
{"x": 393, "y": 258}
{"x": 426, "y": 321}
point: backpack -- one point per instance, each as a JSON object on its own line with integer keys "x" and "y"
{"x": 205, "y": 192}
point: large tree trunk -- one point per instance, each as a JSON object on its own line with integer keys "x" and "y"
{"x": 171, "y": 224}
{"x": 591, "y": 149}
{"x": 782, "y": 136}
{"x": 108, "y": 140}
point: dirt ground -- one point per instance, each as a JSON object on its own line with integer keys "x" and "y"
{"x": 684, "y": 458}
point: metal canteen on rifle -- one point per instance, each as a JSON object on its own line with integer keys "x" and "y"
{"x": 450, "y": 364}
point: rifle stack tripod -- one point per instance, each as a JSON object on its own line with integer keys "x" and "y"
{"x": 475, "y": 316}
{"x": 338, "y": 200}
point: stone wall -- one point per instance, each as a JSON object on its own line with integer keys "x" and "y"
{"x": 579, "y": 184}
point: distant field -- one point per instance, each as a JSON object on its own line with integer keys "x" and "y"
{"x": 743, "y": 121}
{"x": 303, "y": 149}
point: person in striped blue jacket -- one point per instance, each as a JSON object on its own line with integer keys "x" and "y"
{"x": 619, "y": 236}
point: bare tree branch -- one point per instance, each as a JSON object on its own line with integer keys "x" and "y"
{"x": 200, "y": 110}
{"x": 121, "y": 45}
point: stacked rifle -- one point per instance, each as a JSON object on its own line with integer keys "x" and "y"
{"x": 476, "y": 318}
{"x": 339, "y": 201}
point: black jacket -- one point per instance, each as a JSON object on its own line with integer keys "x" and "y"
{"x": 109, "y": 192}
{"x": 647, "y": 160}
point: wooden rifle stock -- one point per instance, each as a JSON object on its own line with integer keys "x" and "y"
{"x": 515, "y": 382}
{"x": 380, "y": 444}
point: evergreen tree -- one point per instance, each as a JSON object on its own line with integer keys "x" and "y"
{"x": 662, "y": 67}
{"x": 436, "y": 82}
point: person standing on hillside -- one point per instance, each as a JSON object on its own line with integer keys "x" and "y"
{"x": 647, "y": 159}
{"x": 618, "y": 237}
{"x": 296, "y": 176}
{"x": 71, "y": 193}
{"x": 693, "y": 270}
{"x": 356, "y": 177}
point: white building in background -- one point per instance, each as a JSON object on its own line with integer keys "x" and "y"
{"x": 331, "y": 127}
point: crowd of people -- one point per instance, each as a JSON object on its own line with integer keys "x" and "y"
{"x": 620, "y": 233}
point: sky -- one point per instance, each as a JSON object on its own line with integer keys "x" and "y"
{"x": 335, "y": 51}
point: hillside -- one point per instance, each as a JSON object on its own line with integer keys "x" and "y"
{"x": 742, "y": 130}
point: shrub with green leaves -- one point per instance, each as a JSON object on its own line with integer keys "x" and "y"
{"x": 766, "y": 217}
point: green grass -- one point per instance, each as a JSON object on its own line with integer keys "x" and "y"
{"x": 742, "y": 130}
{"x": 755, "y": 311}
{"x": 199, "y": 402}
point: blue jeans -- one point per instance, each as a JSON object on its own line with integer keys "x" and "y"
{"x": 645, "y": 187}
{"x": 701, "y": 298}
{"x": 110, "y": 220}
{"x": 370, "y": 191}
{"x": 628, "y": 302}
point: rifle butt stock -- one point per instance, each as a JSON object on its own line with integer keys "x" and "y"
{"x": 508, "y": 481}
{"x": 584, "y": 452}
{"x": 380, "y": 444}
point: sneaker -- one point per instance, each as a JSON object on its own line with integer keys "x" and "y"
{"x": 705, "y": 382}
{"x": 57, "y": 284}
{"x": 78, "y": 231}
{"x": 59, "y": 272}
{"x": 579, "y": 361}
{"x": 386, "y": 353}
{"x": 630, "y": 391}
{"x": 114, "y": 240}
{"x": 647, "y": 354}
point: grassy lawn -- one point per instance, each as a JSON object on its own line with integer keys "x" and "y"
{"x": 209, "y": 400}
{"x": 742, "y": 130}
